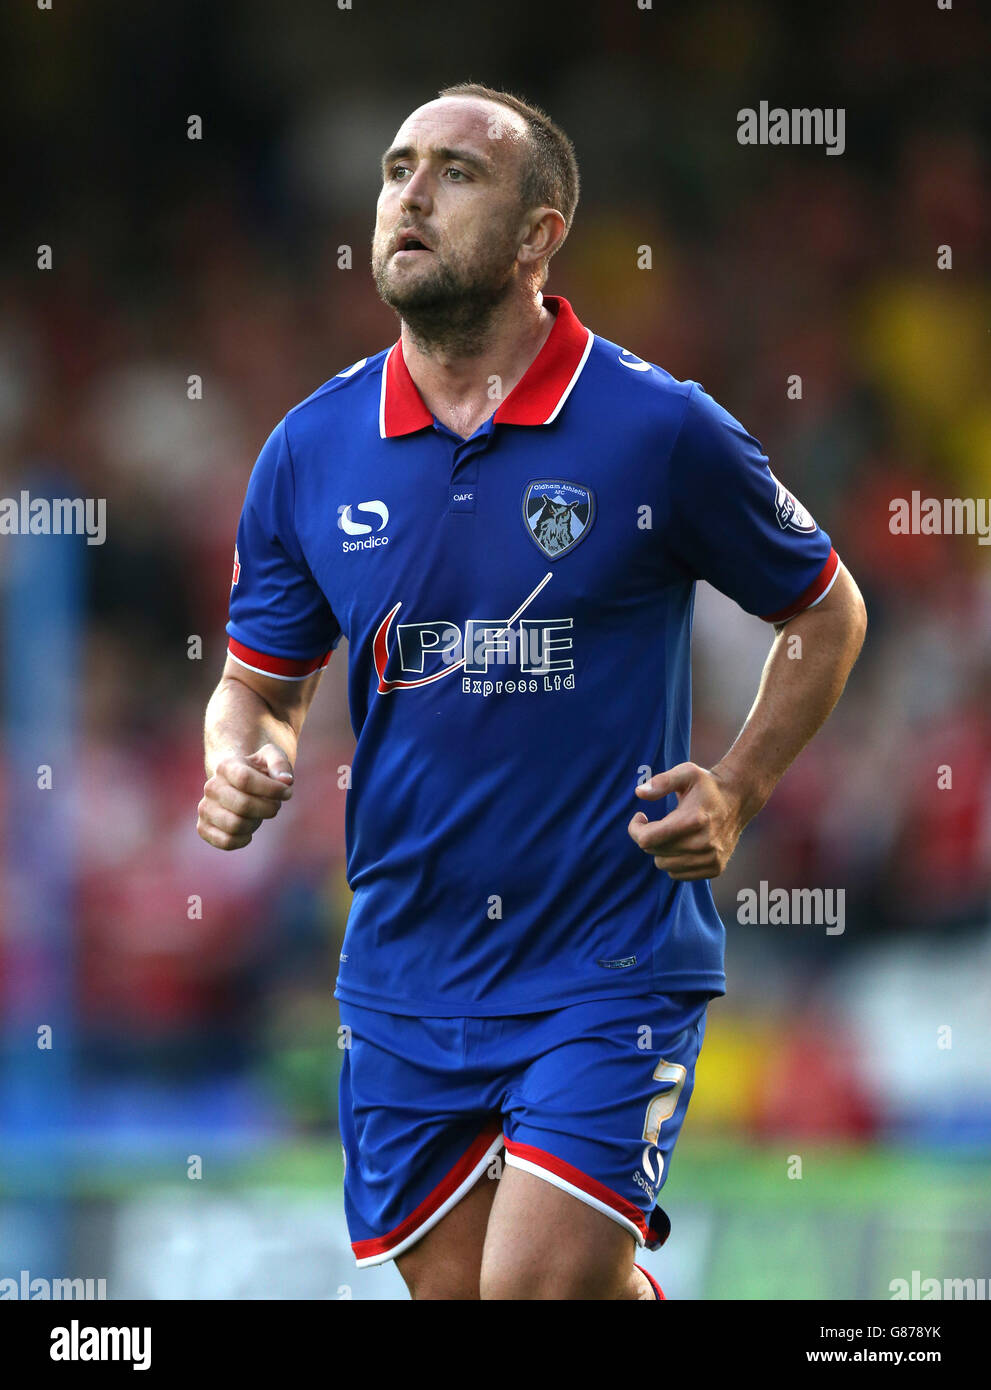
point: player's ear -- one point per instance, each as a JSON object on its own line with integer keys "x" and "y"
{"x": 547, "y": 230}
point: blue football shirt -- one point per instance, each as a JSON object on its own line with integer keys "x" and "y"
{"x": 518, "y": 609}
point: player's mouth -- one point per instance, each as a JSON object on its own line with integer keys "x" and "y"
{"x": 409, "y": 242}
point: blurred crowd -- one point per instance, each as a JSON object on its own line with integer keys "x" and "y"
{"x": 220, "y": 260}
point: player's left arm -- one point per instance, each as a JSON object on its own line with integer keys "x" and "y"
{"x": 796, "y": 696}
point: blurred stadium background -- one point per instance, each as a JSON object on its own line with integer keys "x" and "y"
{"x": 216, "y": 1036}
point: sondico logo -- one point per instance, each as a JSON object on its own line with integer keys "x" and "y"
{"x": 537, "y": 648}
{"x": 350, "y": 527}
{"x": 630, "y": 359}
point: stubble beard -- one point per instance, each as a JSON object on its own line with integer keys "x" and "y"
{"x": 450, "y": 309}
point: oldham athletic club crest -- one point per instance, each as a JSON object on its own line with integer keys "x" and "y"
{"x": 557, "y": 514}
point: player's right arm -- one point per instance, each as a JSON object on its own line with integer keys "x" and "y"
{"x": 282, "y": 631}
{"x": 252, "y": 729}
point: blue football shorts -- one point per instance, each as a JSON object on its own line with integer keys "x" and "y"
{"x": 589, "y": 1097}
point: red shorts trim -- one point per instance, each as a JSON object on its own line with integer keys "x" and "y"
{"x": 540, "y": 1158}
{"x": 379, "y": 1247}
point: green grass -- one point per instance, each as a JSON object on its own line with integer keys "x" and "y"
{"x": 854, "y": 1179}
{"x": 855, "y": 1220}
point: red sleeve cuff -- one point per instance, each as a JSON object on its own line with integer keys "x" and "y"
{"x": 279, "y": 666}
{"x": 816, "y": 590}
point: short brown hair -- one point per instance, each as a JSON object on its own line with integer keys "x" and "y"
{"x": 550, "y": 169}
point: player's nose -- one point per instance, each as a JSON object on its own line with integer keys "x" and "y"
{"x": 415, "y": 195}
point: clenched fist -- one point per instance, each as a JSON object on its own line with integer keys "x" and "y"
{"x": 243, "y": 791}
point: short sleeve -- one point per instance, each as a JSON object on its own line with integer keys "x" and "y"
{"x": 731, "y": 522}
{"x": 280, "y": 621}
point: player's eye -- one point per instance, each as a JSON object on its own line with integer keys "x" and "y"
{"x": 460, "y": 173}
{"x": 398, "y": 169}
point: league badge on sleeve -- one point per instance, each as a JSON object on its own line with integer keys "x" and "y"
{"x": 791, "y": 515}
{"x": 557, "y": 514}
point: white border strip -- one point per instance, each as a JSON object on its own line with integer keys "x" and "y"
{"x": 441, "y": 1211}
{"x": 513, "y": 1162}
{"x": 272, "y": 675}
{"x": 836, "y": 574}
{"x": 577, "y": 373}
{"x": 385, "y": 371}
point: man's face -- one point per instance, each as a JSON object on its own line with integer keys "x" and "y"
{"x": 449, "y": 218}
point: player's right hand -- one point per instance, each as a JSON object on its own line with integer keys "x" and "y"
{"x": 243, "y": 791}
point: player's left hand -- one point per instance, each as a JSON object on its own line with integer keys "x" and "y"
{"x": 696, "y": 839}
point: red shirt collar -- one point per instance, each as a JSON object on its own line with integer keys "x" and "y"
{"x": 536, "y": 399}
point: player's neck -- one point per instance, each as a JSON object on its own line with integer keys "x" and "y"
{"x": 463, "y": 389}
